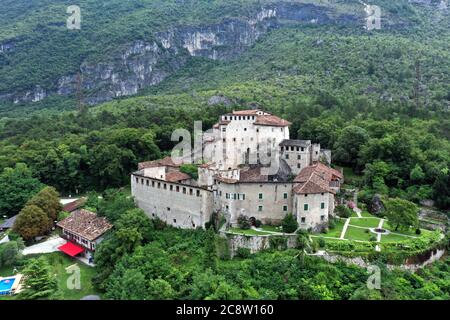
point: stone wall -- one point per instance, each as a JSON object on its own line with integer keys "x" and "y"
{"x": 177, "y": 204}
{"x": 276, "y": 200}
{"x": 254, "y": 243}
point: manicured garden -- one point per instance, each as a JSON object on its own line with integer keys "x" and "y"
{"x": 59, "y": 262}
{"x": 365, "y": 222}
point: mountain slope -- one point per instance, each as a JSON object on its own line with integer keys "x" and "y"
{"x": 123, "y": 48}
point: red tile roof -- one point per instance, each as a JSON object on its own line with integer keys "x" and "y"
{"x": 316, "y": 179}
{"x": 85, "y": 224}
{"x": 247, "y": 112}
{"x": 74, "y": 205}
{"x": 324, "y": 171}
{"x": 270, "y": 120}
{"x": 175, "y": 176}
{"x": 166, "y": 162}
{"x": 315, "y": 184}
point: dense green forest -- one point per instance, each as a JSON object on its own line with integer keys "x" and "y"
{"x": 196, "y": 265}
{"x": 379, "y": 100}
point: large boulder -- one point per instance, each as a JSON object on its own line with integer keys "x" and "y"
{"x": 376, "y": 206}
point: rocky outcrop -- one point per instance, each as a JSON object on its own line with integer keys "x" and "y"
{"x": 376, "y": 206}
{"x": 146, "y": 63}
{"x": 140, "y": 65}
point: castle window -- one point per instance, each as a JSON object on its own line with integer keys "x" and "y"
{"x": 306, "y": 194}
{"x": 223, "y": 139}
{"x": 299, "y": 165}
{"x": 322, "y": 218}
{"x": 287, "y": 156}
{"x": 184, "y": 190}
{"x": 303, "y": 149}
{"x": 220, "y": 193}
{"x": 303, "y": 220}
{"x": 299, "y": 157}
{"x": 285, "y": 208}
{"x": 224, "y": 129}
{"x": 159, "y": 185}
{"x": 243, "y": 196}
{"x": 260, "y": 196}
{"x": 198, "y": 193}
{"x": 178, "y": 188}
{"x": 227, "y": 207}
{"x": 137, "y": 180}
{"x": 245, "y": 129}
{"x": 305, "y": 207}
{"x": 193, "y": 225}
{"x": 191, "y": 192}
{"x": 257, "y": 130}
{"x": 322, "y": 205}
{"x": 142, "y": 181}
{"x": 153, "y": 184}
{"x": 285, "y": 195}
{"x": 227, "y": 195}
{"x": 165, "y": 186}
{"x": 168, "y": 208}
{"x": 298, "y": 149}
{"x": 234, "y": 196}
{"x": 234, "y": 139}
{"x": 317, "y": 152}
{"x": 171, "y": 187}
{"x": 174, "y": 220}
{"x": 260, "y": 208}
{"x": 282, "y": 148}
{"x": 148, "y": 182}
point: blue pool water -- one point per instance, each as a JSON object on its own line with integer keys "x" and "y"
{"x": 5, "y": 285}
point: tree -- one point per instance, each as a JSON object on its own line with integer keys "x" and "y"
{"x": 289, "y": 223}
{"x": 417, "y": 174}
{"x": 210, "y": 259}
{"x": 17, "y": 186}
{"x": 32, "y": 222}
{"x": 441, "y": 189}
{"x": 130, "y": 286}
{"x": 10, "y": 253}
{"x": 48, "y": 200}
{"x": 348, "y": 144}
{"x": 160, "y": 289}
{"x": 401, "y": 213}
{"x": 39, "y": 281}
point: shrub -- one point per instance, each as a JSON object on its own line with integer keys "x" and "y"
{"x": 289, "y": 223}
{"x": 244, "y": 222}
{"x": 343, "y": 211}
{"x": 302, "y": 241}
{"x": 258, "y": 223}
{"x": 321, "y": 242}
{"x": 243, "y": 253}
{"x": 373, "y": 238}
{"x": 331, "y": 224}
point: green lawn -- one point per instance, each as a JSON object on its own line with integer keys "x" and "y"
{"x": 271, "y": 228}
{"x": 393, "y": 238}
{"x": 59, "y": 262}
{"x": 336, "y": 232}
{"x": 248, "y": 232}
{"x": 410, "y": 231}
{"x": 365, "y": 222}
{"x": 358, "y": 234}
{"x": 366, "y": 214}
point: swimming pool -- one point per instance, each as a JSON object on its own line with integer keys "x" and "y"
{"x": 6, "y": 285}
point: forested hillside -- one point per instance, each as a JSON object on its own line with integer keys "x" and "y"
{"x": 379, "y": 99}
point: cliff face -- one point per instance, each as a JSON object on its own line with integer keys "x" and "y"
{"x": 143, "y": 64}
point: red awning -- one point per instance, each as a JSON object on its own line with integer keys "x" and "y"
{"x": 71, "y": 249}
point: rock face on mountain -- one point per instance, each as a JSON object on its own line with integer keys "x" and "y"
{"x": 141, "y": 64}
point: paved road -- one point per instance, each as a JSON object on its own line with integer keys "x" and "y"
{"x": 48, "y": 246}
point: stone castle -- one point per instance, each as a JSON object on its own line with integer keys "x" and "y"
{"x": 250, "y": 167}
